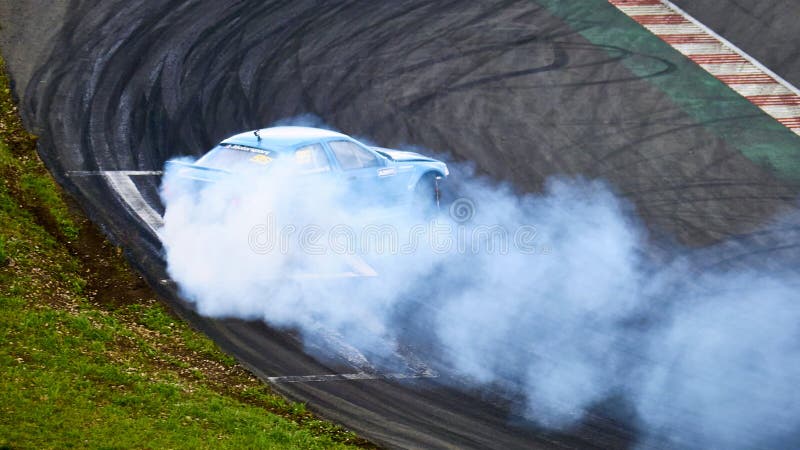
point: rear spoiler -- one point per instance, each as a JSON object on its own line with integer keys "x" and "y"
{"x": 189, "y": 170}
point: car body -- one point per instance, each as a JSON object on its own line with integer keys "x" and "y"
{"x": 394, "y": 175}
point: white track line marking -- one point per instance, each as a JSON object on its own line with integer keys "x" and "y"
{"x": 752, "y": 90}
{"x": 126, "y": 189}
{"x": 87, "y": 173}
{"x": 782, "y": 112}
{"x": 336, "y": 343}
{"x": 730, "y": 69}
{"x": 642, "y": 10}
{"x": 719, "y": 57}
{"x": 350, "y": 377}
{"x": 683, "y": 28}
{"x": 719, "y": 70}
{"x": 702, "y": 48}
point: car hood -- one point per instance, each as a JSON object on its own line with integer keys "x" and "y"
{"x": 399, "y": 155}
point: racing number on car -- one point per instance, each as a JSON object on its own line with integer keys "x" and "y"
{"x": 261, "y": 159}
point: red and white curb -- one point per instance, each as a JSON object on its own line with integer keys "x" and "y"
{"x": 741, "y": 72}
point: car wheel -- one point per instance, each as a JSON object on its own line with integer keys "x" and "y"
{"x": 427, "y": 194}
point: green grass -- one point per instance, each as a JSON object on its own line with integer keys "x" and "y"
{"x": 90, "y": 359}
{"x": 42, "y": 189}
{"x": 3, "y": 257}
{"x": 65, "y": 382}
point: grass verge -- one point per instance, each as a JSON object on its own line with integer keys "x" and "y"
{"x": 89, "y": 358}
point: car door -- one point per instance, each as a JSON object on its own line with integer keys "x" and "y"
{"x": 367, "y": 174}
{"x": 310, "y": 163}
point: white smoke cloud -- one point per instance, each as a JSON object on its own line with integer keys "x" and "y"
{"x": 564, "y": 306}
{"x": 723, "y": 368}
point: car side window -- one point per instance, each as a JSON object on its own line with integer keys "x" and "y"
{"x": 311, "y": 159}
{"x": 352, "y": 156}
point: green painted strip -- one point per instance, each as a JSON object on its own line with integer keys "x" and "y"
{"x": 759, "y": 137}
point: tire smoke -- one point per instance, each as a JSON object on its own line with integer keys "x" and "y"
{"x": 553, "y": 297}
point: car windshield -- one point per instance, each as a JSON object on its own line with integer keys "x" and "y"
{"x": 237, "y": 157}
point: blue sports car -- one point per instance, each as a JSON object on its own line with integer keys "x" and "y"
{"x": 389, "y": 175}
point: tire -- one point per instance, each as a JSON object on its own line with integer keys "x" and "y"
{"x": 427, "y": 194}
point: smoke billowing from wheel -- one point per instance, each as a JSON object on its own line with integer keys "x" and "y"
{"x": 551, "y": 296}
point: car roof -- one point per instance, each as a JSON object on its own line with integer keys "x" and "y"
{"x": 280, "y": 138}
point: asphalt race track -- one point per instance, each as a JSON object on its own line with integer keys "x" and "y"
{"x": 766, "y": 30}
{"x": 123, "y": 86}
